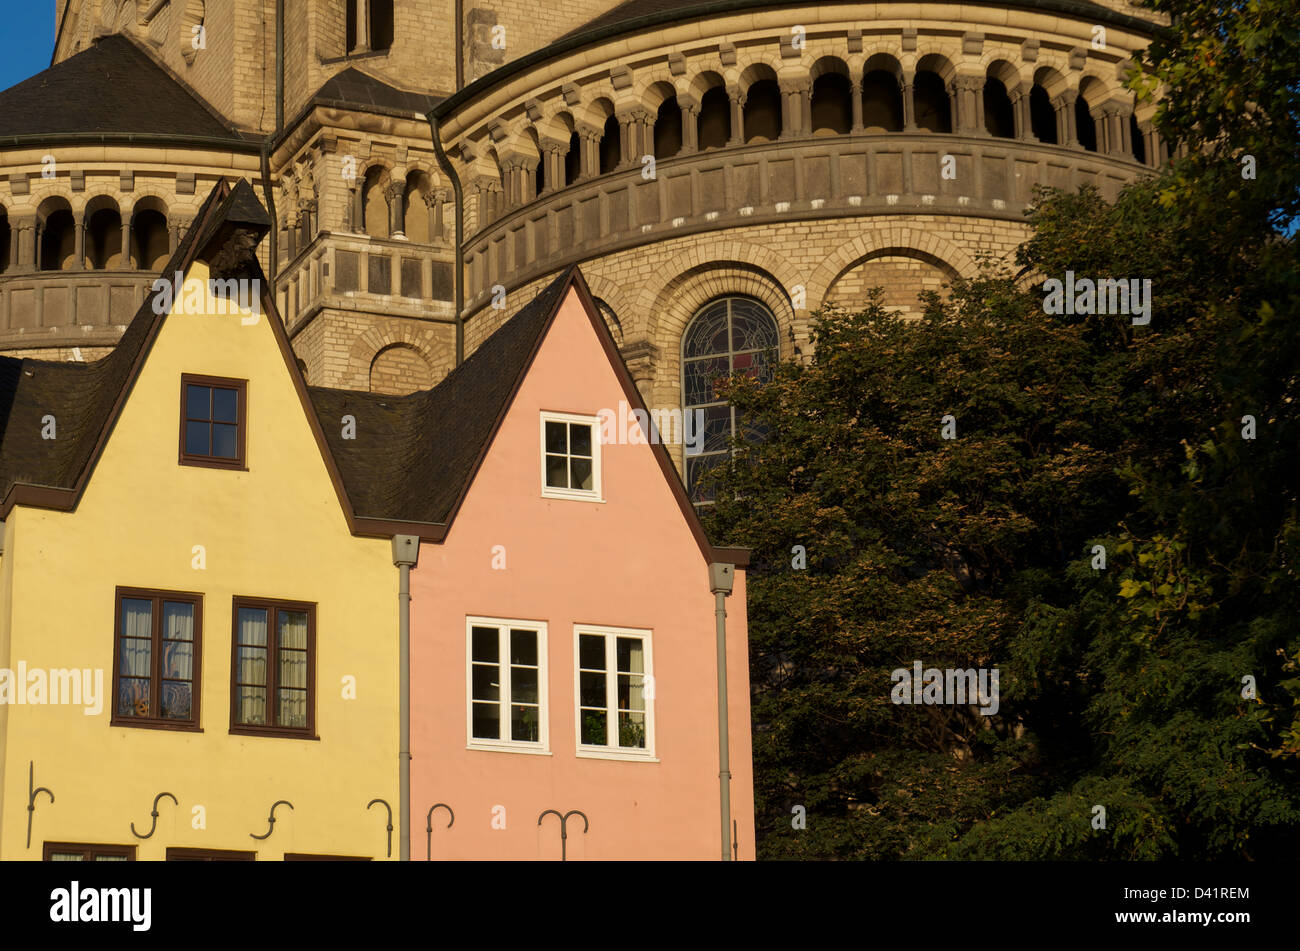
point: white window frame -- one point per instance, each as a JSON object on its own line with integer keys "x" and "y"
{"x": 594, "y": 494}
{"x": 503, "y": 625}
{"x": 628, "y": 754}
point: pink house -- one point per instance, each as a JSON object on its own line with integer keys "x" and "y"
{"x": 563, "y": 629}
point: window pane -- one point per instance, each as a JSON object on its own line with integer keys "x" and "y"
{"x": 630, "y": 652}
{"x": 579, "y": 439}
{"x": 593, "y": 728}
{"x": 133, "y": 697}
{"x": 523, "y": 723}
{"x": 700, "y": 375}
{"x": 293, "y": 669}
{"x": 581, "y": 471}
{"x": 293, "y": 629}
{"x": 196, "y": 439}
{"x": 225, "y": 405}
{"x": 523, "y": 684}
{"x": 752, "y": 327}
{"x": 717, "y": 428}
{"x": 137, "y": 617}
{"x": 292, "y": 709}
{"x": 252, "y": 626}
{"x": 178, "y": 660}
{"x": 197, "y": 405}
{"x": 591, "y": 689}
{"x": 486, "y": 686}
{"x": 555, "y": 438}
{"x": 487, "y": 722}
{"x": 250, "y": 705}
{"x": 250, "y": 665}
{"x": 557, "y": 472}
{"x": 67, "y": 856}
{"x": 591, "y": 652}
{"x": 485, "y": 644}
{"x": 708, "y": 332}
{"x": 523, "y": 647}
{"x": 178, "y": 621}
{"x": 135, "y": 655}
{"x": 225, "y": 440}
{"x": 111, "y": 858}
{"x": 631, "y": 730}
{"x": 176, "y": 700}
{"x": 631, "y": 692}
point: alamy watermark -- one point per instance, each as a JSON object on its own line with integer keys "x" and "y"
{"x": 56, "y": 685}
{"x": 951, "y": 686}
{"x": 627, "y": 426}
{"x": 1103, "y": 296}
{"x": 242, "y": 296}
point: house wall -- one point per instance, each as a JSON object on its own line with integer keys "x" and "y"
{"x": 630, "y": 561}
{"x": 276, "y": 531}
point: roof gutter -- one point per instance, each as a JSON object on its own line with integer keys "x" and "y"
{"x": 1076, "y": 8}
{"x": 133, "y": 138}
{"x": 458, "y": 278}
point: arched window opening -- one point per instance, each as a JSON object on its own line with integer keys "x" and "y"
{"x": 998, "y": 117}
{"x": 882, "y": 102}
{"x": 415, "y": 224}
{"x": 103, "y": 238}
{"x": 381, "y": 24}
{"x": 933, "y": 107}
{"x": 1139, "y": 142}
{"x": 763, "y": 111}
{"x": 1085, "y": 128}
{"x": 374, "y": 205}
{"x": 150, "y": 243}
{"x": 668, "y": 129}
{"x": 5, "y": 239}
{"x": 400, "y": 369}
{"x": 713, "y": 125}
{"x": 1042, "y": 115}
{"x": 832, "y": 104}
{"x": 728, "y": 335}
{"x": 573, "y": 159}
{"x": 611, "y": 146}
{"x": 58, "y": 243}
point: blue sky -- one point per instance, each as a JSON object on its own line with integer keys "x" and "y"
{"x": 27, "y": 40}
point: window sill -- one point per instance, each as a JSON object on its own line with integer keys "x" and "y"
{"x": 142, "y": 724}
{"x": 619, "y": 756}
{"x": 273, "y": 732}
{"x": 571, "y": 496}
{"x": 491, "y": 748}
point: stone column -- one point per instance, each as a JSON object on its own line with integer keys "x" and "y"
{"x": 589, "y": 146}
{"x": 737, "y": 98}
{"x": 855, "y": 90}
{"x": 396, "y": 195}
{"x": 803, "y": 95}
{"x": 527, "y": 181}
{"x": 433, "y": 202}
{"x": 1020, "y": 114}
{"x": 956, "y": 112}
{"x": 356, "y": 209}
{"x": 690, "y": 124}
{"x": 967, "y": 93}
{"x": 909, "y": 102}
{"x": 125, "y": 263}
{"x": 22, "y": 245}
{"x": 1065, "y": 122}
{"x": 79, "y": 254}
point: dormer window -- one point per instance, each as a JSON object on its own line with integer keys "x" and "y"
{"x": 213, "y": 417}
{"x": 570, "y": 457}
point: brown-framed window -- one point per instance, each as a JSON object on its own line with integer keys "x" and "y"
{"x": 157, "y": 649}
{"x": 82, "y": 852}
{"x": 214, "y": 416}
{"x": 273, "y": 682}
{"x": 316, "y": 857}
{"x": 209, "y": 855}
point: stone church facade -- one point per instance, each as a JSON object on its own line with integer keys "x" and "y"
{"x": 720, "y": 170}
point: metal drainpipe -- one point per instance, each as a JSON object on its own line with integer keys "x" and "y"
{"x": 406, "y": 552}
{"x": 458, "y": 279}
{"x": 721, "y": 579}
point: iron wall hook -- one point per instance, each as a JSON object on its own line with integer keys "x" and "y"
{"x": 564, "y": 827}
{"x": 390, "y": 822}
{"x": 271, "y": 819}
{"x": 428, "y": 827}
{"x": 153, "y": 814}
{"x": 32, "y": 790}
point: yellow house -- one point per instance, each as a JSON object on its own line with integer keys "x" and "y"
{"x": 198, "y": 656}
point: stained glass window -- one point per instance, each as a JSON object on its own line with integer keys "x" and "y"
{"x": 728, "y": 335}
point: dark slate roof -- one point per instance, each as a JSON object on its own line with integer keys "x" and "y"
{"x": 414, "y": 455}
{"x": 353, "y": 89}
{"x": 112, "y": 88}
{"x": 82, "y": 396}
{"x": 629, "y": 10}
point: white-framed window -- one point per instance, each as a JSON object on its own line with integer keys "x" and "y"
{"x": 571, "y": 457}
{"x": 615, "y": 695}
{"x": 506, "y": 693}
